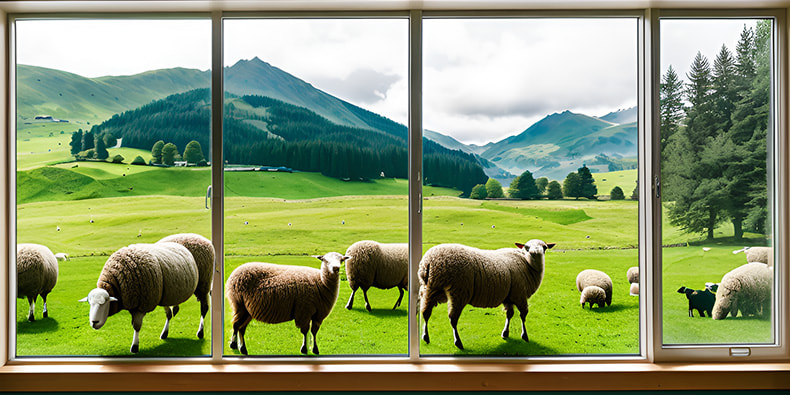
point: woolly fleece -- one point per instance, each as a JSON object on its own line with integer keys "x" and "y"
{"x": 746, "y": 289}
{"x": 379, "y": 265}
{"x": 597, "y": 278}
{"x": 37, "y": 272}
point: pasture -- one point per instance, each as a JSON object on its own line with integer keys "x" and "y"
{"x": 284, "y": 218}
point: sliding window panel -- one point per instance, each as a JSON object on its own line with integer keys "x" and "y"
{"x": 112, "y": 137}
{"x": 530, "y": 138}
{"x": 717, "y": 133}
{"x": 316, "y": 166}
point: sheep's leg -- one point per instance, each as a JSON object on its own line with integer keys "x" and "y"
{"x": 241, "y": 317}
{"x": 304, "y": 329}
{"x": 350, "y": 303}
{"x": 242, "y": 331}
{"x": 137, "y": 324}
{"x": 400, "y": 298}
{"x": 314, "y": 331}
{"x": 523, "y": 313}
{"x": 203, "y": 311}
{"x": 508, "y": 315}
{"x": 365, "y": 294}
{"x": 169, "y": 315}
{"x": 44, "y": 314}
{"x": 455, "y": 313}
{"x": 427, "y": 309}
{"x": 31, "y": 301}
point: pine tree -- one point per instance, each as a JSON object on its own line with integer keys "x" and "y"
{"x": 671, "y": 105}
{"x": 700, "y": 120}
{"x": 588, "y": 188}
{"x": 101, "y": 149}
{"x": 76, "y": 142}
{"x": 572, "y": 186}
{"x": 725, "y": 90}
{"x": 523, "y": 187}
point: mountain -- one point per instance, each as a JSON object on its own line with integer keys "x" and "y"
{"x": 63, "y": 95}
{"x": 627, "y": 115}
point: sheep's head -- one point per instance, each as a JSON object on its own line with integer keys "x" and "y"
{"x": 593, "y": 295}
{"x": 331, "y": 261}
{"x": 99, "y": 300}
{"x": 535, "y": 247}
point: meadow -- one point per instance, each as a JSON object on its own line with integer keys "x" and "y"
{"x": 90, "y": 209}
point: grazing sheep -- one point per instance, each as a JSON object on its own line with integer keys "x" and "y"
{"x": 461, "y": 275}
{"x": 633, "y": 278}
{"x": 380, "y": 265}
{"x": 37, "y": 274}
{"x": 747, "y": 289}
{"x": 590, "y": 277}
{"x": 758, "y": 254}
{"x": 700, "y": 300}
{"x": 62, "y": 256}
{"x": 274, "y": 293}
{"x": 593, "y": 295}
{"x": 140, "y": 277}
{"x": 203, "y": 252}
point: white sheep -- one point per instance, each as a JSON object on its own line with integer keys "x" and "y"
{"x": 203, "y": 252}
{"x": 461, "y": 275}
{"x": 140, "y": 277}
{"x": 62, "y": 256}
{"x": 593, "y": 295}
{"x": 272, "y": 293}
{"x": 380, "y": 265}
{"x": 633, "y": 278}
{"x": 37, "y": 274}
{"x": 747, "y": 289}
{"x": 758, "y": 254}
{"x": 597, "y": 278}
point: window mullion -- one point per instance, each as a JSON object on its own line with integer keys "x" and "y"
{"x": 415, "y": 175}
{"x": 217, "y": 180}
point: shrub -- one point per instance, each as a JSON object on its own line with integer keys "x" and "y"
{"x": 117, "y": 159}
{"x": 478, "y": 192}
{"x": 617, "y": 194}
{"x": 554, "y": 190}
{"x": 494, "y": 189}
{"x": 139, "y": 161}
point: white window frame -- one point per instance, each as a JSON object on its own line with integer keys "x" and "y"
{"x": 694, "y": 368}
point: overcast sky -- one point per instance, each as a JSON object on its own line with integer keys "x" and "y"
{"x": 484, "y": 80}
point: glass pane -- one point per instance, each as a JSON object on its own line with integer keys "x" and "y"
{"x": 316, "y": 161}
{"x": 716, "y": 137}
{"x": 93, "y": 98}
{"x": 538, "y": 118}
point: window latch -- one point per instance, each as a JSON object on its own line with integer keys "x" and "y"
{"x": 658, "y": 187}
{"x": 208, "y": 196}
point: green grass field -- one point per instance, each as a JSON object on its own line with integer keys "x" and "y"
{"x": 89, "y": 211}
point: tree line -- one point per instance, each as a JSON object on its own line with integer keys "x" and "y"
{"x": 714, "y": 132}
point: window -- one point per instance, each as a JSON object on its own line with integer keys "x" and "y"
{"x": 403, "y": 361}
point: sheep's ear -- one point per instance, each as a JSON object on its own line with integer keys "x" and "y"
{"x": 113, "y": 299}
{"x": 319, "y": 257}
{"x": 85, "y": 299}
{"x": 345, "y": 258}
{"x": 550, "y": 245}
{"x": 519, "y": 245}
{"x": 682, "y": 290}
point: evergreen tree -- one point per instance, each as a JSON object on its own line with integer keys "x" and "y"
{"x": 193, "y": 153}
{"x": 617, "y": 194}
{"x": 156, "y": 151}
{"x": 700, "y": 121}
{"x": 724, "y": 89}
{"x": 554, "y": 190}
{"x": 588, "y": 188}
{"x": 671, "y": 105}
{"x": 478, "y": 192}
{"x": 635, "y": 192}
{"x": 572, "y": 186}
{"x": 541, "y": 183}
{"x": 88, "y": 141}
{"x": 76, "y": 142}
{"x": 494, "y": 189}
{"x": 169, "y": 152}
{"x": 101, "y": 150}
{"x": 523, "y": 187}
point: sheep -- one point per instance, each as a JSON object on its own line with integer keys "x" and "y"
{"x": 461, "y": 275}
{"x": 591, "y": 277}
{"x": 593, "y": 295}
{"x": 700, "y": 300}
{"x": 140, "y": 277}
{"x": 274, "y": 293}
{"x": 379, "y": 265}
{"x": 747, "y": 289}
{"x": 633, "y": 278}
{"x": 62, "y": 256}
{"x": 37, "y": 274}
{"x": 758, "y": 254}
{"x": 203, "y": 252}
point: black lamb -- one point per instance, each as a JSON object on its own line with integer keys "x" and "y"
{"x": 700, "y": 300}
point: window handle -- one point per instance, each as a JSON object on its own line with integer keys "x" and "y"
{"x": 208, "y": 196}
{"x": 658, "y": 187}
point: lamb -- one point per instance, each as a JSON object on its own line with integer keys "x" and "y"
{"x": 593, "y": 295}
{"x": 597, "y": 278}
{"x": 379, "y": 265}
{"x": 140, "y": 277}
{"x": 633, "y": 278}
{"x": 203, "y": 252}
{"x": 461, "y": 275}
{"x": 758, "y": 254}
{"x": 274, "y": 293}
{"x": 700, "y": 300}
{"x": 62, "y": 256}
{"x": 37, "y": 274}
{"x": 747, "y": 289}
